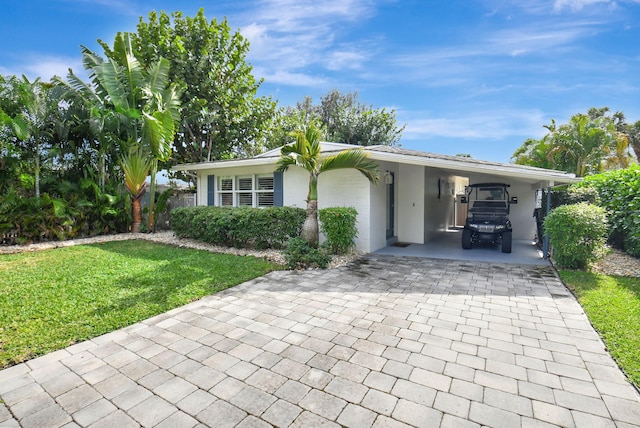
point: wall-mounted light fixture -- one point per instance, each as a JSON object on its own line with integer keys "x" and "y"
{"x": 388, "y": 177}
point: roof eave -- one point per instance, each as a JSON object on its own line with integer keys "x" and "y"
{"x": 493, "y": 169}
{"x": 233, "y": 163}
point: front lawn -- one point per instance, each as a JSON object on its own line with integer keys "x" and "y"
{"x": 54, "y": 298}
{"x": 612, "y": 304}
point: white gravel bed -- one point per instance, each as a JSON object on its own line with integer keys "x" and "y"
{"x": 170, "y": 238}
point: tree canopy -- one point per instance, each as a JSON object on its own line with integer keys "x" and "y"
{"x": 342, "y": 118}
{"x": 587, "y": 144}
{"x": 222, "y": 116}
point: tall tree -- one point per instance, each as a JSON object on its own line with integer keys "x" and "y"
{"x": 222, "y": 116}
{"x": 305, "y": 153}
{"x": 632, "y": 131}
{"x": 344, "y": 119}
{"x": 587, "y": 144}
{"x": 31, "y": 120}
{"x": 142, "y": 98}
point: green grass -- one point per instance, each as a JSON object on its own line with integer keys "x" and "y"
{"x": 52, "y": 299}
{"x": 612, "y": 303}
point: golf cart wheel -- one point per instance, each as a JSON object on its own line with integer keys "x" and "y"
{"x": 466, "y": 239}
{"x": 506, "y": 242}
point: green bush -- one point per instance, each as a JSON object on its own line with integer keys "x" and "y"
{"x": 238, "y": 227}
{"x": 619, "y": 193}
{"x": 578, "y": 234}
{"x": 67, "y": 211}
{"x": 300, "y": 255}
{"x": 339, "y": 226}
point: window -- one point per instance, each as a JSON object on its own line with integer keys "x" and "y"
{"x": 246, "y": 191}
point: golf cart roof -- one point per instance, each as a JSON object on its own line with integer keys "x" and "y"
{"x": 489, "y": 185}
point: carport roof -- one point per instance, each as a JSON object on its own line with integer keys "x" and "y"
{"x": 454, "y": 164}
{"x": 463, "y": 165}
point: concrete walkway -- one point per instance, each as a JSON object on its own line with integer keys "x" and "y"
{"x": 386, "y": 342}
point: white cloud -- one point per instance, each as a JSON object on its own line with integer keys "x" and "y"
{"x": 45, "y": 67}
{"x": 304, "y": 38}
{"x": 283, "y": 77}
{"x": 348, "y": 59}
{"x": 493, "y": 124}
{"x": 576, "y": 5}
{"x": 48, "y": 66}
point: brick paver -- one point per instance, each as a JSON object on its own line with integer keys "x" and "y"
{"x": 384, "y": 342}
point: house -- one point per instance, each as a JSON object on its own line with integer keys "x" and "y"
{"x": 416, "y": 199}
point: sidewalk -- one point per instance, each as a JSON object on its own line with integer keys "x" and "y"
{"x": 384, "y": 342}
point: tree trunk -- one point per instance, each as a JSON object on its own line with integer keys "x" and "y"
{"x": 151, "y": 221}
{"x": 310, "y": 229}
{"x": 635, "y": 145}
{"x": 137, "y": 213}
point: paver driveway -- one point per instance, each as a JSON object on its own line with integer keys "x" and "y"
{"x": 385, "y": 342}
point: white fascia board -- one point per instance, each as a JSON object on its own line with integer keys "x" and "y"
{"x": 493, "y": 169}
{"x": 224, "y": 164}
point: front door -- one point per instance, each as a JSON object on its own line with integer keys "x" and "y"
{"x": 390, "y": 184}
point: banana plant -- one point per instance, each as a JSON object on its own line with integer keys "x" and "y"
{"x": 144, "y": 102}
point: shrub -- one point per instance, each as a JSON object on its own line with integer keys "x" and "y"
{"x": 70, "y": 211}
{"x": 619, "y": 192}
{"x": 239, "y": 227}
{"x": 339, "y": 226}
{"x": 300, "y": 255}
{"x": 577, "y": 234}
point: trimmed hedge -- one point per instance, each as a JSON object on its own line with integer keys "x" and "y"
{"x": 619, "y": 192}
{"x": 578, "y": 234}
{"x": 339, "y": 226}
{"x": 239, "y": 227}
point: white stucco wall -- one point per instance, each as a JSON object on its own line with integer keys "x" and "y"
{"x": 411, "y": 200}
{"x": 340, "y": 188}
{"x": 438, "y": 211}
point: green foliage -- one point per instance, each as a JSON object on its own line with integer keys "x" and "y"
{"x": 612, "y": 304}
{"x": 222, "y": 115}
{"x": 52, "y": 299}
{"x": 619, "y": 192}
{"x": 306, "y": 153}
{"x": 68, "y": 210}
{"x": 300, "y": 255}
{"x": 238, "y": 226}
{"x": 578, "y": 234}
{"x": 587, "y": 144}
{"x": 339, "y": 226}
{"x": 343, "y": 119}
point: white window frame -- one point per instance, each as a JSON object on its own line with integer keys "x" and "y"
{"x": 238, "y": 195}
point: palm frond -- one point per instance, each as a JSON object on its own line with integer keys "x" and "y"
{"x": 159, "y": 75}
{"x": 136, "y": 166}
{"x": 159, "y": 130}
{"x": 285, "y": 162}
{"x": 109, "y": 75}
{"x": 354, "y": 158}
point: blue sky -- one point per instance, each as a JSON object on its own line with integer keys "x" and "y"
{"x": 476, "y": 77}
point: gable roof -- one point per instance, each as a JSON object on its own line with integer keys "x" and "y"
{"x": 454, "y": 164}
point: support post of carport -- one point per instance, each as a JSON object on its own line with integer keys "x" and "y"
{"x": 545, "y": 240}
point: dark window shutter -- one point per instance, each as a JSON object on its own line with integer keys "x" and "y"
{"x": 211, "y": 190}
{"x": 278, "y": 196}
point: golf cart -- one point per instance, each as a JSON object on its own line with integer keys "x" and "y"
{"x": 487, "y": 215}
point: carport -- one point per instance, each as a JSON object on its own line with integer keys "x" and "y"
{"x": 446, "y": 245}
{"x": 421, "y": 198}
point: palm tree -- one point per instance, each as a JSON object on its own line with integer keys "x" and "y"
{"x": 32, "y": 120}
{"x": 305, "y": 153}
{"x": 136, "y": 166}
